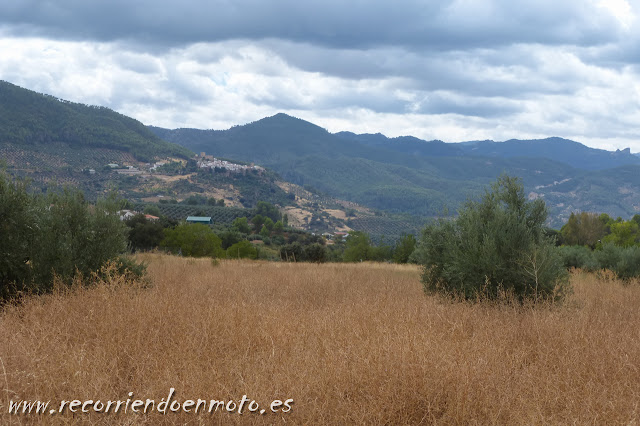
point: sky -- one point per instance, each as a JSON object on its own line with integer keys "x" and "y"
{"x": 453, "y": 70}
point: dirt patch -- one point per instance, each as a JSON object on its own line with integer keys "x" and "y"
{"x": 298, "y": 217}
{"x": 338, "y": 214}
{"x": 176, "y": 178}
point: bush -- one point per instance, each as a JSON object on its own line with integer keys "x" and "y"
{"x": 242, "y": 250}
{"x": 315, "y": 253}
{"x": 18, "y": 213}
{"x": 72, "y": 239}
{"x": 292, "y": 252}
{"x": 144, "y": 234}
{"x": 59, "y": 236}
{"x": 628, "y": 265}
{"x": 495, "y": 245}
{"x": 608, "y": 256}
{"x": 358, "y": 247}
{"x": 404, "y": 248}
{"x": 193, "y": 239}
{"x": 577, "y": 257}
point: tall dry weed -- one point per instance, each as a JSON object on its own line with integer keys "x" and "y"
{"x": 350, "y": 343}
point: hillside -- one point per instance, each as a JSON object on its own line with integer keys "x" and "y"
{"x": 306, "y": 154}
{"x": 34, "y": 121}
{"x": 409, "y": 175}
{"x": 55, "y": 141}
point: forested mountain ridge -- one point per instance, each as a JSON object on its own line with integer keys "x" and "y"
{"x": 50, "y": 139}
{"x": 28, "y": 118}
{"x": 566, "y": 151}
{"x": 410, "y": 175}
{"x": 557, "y": 149}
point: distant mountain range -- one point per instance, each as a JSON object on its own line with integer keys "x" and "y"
{"x": 565, "y": 151}
{"x": 39, "y": 133}
{"x": 407, "y": 174}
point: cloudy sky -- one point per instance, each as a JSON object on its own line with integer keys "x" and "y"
{"x": 437, "y": 69}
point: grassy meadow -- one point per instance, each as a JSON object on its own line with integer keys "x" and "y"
{"x": 349, "y": 343}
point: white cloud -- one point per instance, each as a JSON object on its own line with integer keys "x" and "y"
{"x": 456, "y": 70}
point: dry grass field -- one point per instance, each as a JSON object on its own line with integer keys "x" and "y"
{"x": 349, "y": 343}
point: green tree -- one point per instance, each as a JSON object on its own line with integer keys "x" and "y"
{"x": 241, "y": 224}
{"x": 623, "y": 234}
{"x": 358, "y": 247}
{"x": 229, "y": 238}
{"x": 264, "y": 232}
{"x": 381, "y": 252}
{"x": 495, "y": 244}
{"x": 315, "y": 253}
{"x": 257, "y": 221}
{"x": 278, "y": 227}
{"x": 58, "y": 235}
{"x": 18, "y": 212}
{"x": 242, "y": 250}
{"x": 583, "y": 229}
{"x": 404, "y": 248}
{"x": 144, "y": 234}
{"x": 268, "y": 223}
{"x": 152, "y": 210}
{"x": 268, "y": 210}
{"x": 193, "y": 239}
{"x": 72, "y": 238}
{"x": 195, "y": 200}
{"x": 292, "y": 252}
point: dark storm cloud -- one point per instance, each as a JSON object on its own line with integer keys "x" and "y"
{"x": 443, "y": 69}
{"x": 357, "y": 24}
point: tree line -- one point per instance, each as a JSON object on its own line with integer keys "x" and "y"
{"x": 494, "y": 246}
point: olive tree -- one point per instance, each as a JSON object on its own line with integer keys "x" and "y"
{"x": 495, "y": 244}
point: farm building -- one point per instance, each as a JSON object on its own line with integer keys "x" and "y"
{"x": 205, "y": 220}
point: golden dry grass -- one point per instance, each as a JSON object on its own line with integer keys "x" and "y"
{"x": 350, "y": 343}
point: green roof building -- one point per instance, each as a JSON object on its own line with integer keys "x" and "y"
{"x": 206, "y": 220}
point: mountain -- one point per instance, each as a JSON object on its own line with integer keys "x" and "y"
{"x": 49, "y": 139}
{"x": 410, "y": 175}
{"x": 563, "y": 150}
{"x": 406, "y": 144}
{"x": 33, "y": 120}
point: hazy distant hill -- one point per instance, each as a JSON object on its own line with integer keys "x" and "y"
{"x": 566, "y": 151}
{"x": 29, "y": 119}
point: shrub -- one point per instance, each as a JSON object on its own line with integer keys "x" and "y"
{"x": 315, "y": 253}
{"x": 17, "y": 215}
{"x": 59, "y": 236}
{"x": 608, "y": 256}
{"x": 577, "y": 257}
{"x": 193, "y": 239}
{"x": 358, "y": 247}
{"x": 404, "y": 248}
{"x": 292, "y": 252}
{"x": 144, "y": 234}
{"x": 242, "y": 250}
{"x": 73, "y": 239}
{"x": 628, "y": 265}
{"x": 495, "y": 245}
